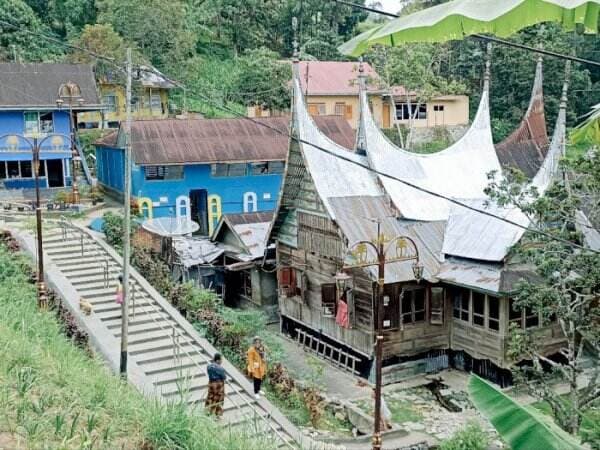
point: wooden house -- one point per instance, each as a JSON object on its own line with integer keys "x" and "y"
{"x": 332, "y": 197}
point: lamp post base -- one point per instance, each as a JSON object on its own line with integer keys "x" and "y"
{"x": 42, "y": 295}
{"x": 377, "y": 441}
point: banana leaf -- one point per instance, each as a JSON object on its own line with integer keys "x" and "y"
{"x": 460, "y": 18}
{"x": 588, "y": 132}
{"x": 521, "y": 427}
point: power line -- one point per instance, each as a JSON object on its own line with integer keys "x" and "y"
{"x": 496, "y": 40}
{"x": 229, "y": 110}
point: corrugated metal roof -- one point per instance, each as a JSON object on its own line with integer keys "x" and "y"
{"x": 37, "y": 84}
{"x": 251, "y": 217}
{"x": 254, "y": 237}
{"x": 526, "y": 148}
{"x": 460, "y": 171}
{"x": 194, "y": 141}
{"x": 356, "y": 216}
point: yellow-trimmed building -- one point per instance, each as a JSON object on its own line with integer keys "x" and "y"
{"x": 331, "y": 88}
{"x": 150, "y": 100}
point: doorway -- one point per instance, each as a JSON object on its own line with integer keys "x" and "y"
{"x": 199, "y": 209}
{"x": 55, "y": 173}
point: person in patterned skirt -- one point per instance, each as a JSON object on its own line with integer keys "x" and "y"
{"x": 216, "y": 386}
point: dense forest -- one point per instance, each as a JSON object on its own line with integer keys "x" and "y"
{"x": 229, "y": 52}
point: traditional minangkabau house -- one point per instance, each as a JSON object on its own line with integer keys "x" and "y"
{"x": 459, "y": 314}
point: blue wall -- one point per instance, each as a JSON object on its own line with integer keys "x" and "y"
{"x": 231, "y": 190}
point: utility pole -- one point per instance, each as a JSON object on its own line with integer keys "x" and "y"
{"x": 126, "y": 224}
{"x": 379, "y": 337}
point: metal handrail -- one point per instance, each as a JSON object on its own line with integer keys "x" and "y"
{"x": 176, "y": 334}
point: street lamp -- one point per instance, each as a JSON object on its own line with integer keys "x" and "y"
{"x": 35, "y": 144}
{"x": 71, "y": 92}
{"x": 398, "y": 249}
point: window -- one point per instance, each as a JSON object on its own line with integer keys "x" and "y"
{"x": 292, "y": 282}
{"x": 328, "y": 299}
{"x": 182, "y": 205}
{"x": 2, "y": 170}
{"x": 438, "y": 108}
{"x": 155, "y": 103}
{"x": 163, "y": 172}
{"x": 267, "y": 168}
{"x": 532, "y": 318}
{"x": 340, "y": 109}
{"x": 110, "y": 102}
{"x": 250, "y": 202}
{"x": 39, "y": 123}
{"x": 26, "y": 169}
{"x": 135, "y": 103}
{"x": 437, "y": 306}
{"x": 478, "y": 309}
{"x": 460, "y": 301}
{"x": 493, "y": 313}
{"x": 515, "y": 316}
{"x": 405, "y": 111}
{"x": 228, "y": 170}
{"x": 413, "y": 306}
{"x": 13, "y": 169}
{"x": 245, "y": 284}
{"x": 317, "y": 109}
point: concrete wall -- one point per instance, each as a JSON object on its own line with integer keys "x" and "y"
{"x": 455, "y": 112}
{"x": 94, "y": 119}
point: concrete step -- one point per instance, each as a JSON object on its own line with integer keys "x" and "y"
{"x": 154, "y": 335}
{"x": 96, "y": 270}
{"x": 193, "y": 375}
{"x": 154, "y": 345}
{"x": 114, "y": 324}
{"x": 110, "y": 297}
{"x": 115, "y": 315}
{"x": 169, "y": 365}
{"x": 73, "y": 258}
{"x": 149, "y": 327}
{"x": 88, "y": 265}
{"x": 114, "y": 306}
{"x": 162, "y": 357}
{"x": 98, "y": 284}
{"x": 78, "y": 278}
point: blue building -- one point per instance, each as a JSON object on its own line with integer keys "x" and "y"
{"x": 203, "y": 168}
{"x": 31, "y": 106}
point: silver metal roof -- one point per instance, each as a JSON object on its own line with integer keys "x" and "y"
{"x": 170, "y": 226}
{"x": 332, "y": 176}
{"x": 460, "y": 171}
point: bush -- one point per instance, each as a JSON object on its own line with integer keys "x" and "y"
{"x": 472, "y": 437}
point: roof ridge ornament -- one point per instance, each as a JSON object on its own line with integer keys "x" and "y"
{"x": 296, "y": 52}
{"x": 361, "y": 141}
{"x": 488, "y": 66}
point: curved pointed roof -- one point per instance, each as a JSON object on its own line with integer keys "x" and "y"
{"x": 468, "y": 233}
{"x": 460, "y": 171}
{"x": 526, "y": 147}
{"x": 332, "y": 171}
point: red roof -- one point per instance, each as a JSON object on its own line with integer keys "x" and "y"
{"x": 334, "y": 77}
{"x": 197, "y": 141}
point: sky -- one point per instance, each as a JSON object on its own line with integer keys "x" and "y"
{"x": 392, "y": 6}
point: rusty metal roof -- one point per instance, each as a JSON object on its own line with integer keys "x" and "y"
{"x": 334, "y": 77}
{"x": 194, "y": 141}
{"x": 36, "y": 85}
{"x": 247, "y": 218}
{"x": 526, "y": 148}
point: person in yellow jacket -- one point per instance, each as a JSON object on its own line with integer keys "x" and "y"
{"x": 257, "y": 366}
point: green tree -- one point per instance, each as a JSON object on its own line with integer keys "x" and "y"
{"x": 566, "y": 289}
{"x": 158, "y": 28}
{"x": 15, "y": 39}
{"x": 264, "y": 80}
{"x": 100, "y": 39}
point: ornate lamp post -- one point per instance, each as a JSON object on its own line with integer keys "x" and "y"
{"x": 35, "y": 145}
{"x": 71, "y": 92}
{"x": 377, "y": 253}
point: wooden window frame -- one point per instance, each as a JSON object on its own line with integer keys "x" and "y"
{"x": 436, "y": 311}
{"x": 481, "y": 315}
{"x": 340, "y": 109}
{"x": 491, "y": 319}
{"x": 329, "y": 299}
{"x": 460, "y": 309}
{"x": 412, "y": 314}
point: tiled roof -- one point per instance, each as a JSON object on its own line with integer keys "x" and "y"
{"x": 176, "y": 141}
{"x": 37, "y": 85}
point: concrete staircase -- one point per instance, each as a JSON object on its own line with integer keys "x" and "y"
{"x": 166, "y": 354}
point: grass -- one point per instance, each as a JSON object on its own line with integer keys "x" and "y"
{"x": 54, "y": 395}
{"x": 402, "y": 411}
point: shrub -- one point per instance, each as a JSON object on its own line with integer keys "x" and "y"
{"x": 472, "y": 437}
